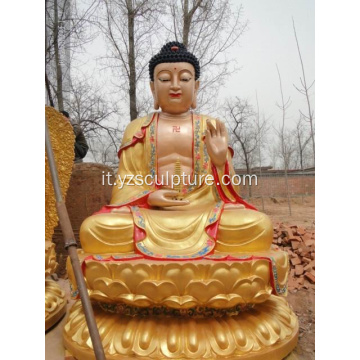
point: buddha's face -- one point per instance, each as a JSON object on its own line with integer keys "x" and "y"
{"x": 174, "y": 87}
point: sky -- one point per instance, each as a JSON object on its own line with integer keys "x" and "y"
{"x": 269, "y": 41}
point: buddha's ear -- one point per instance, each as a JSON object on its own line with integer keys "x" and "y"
{"x": 197, "y": 85}
{"x": 194, "y": 102}
{"x": 156, "y": 103}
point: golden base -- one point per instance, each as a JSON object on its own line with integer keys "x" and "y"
{"x": 55, "y": 304}
{"x": 183, "y": 285}
{"x": 268, "y": 331}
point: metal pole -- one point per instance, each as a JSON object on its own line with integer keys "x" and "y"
{"x": 70, "y": 245}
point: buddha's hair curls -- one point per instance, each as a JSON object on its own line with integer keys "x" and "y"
{"x": 173, "y": 52}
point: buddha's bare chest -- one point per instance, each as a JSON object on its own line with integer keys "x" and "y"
{"x": 174, "y": 140}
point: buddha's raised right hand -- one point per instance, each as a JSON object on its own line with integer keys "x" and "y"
{"x": 164, "y": 198}
{"x": 216, "y": 140}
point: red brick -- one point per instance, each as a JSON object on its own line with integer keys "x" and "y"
{"x": 287, "y": 232}
{"x": 285, "y": 240}
{"x": 292, "y": 283}
{"x": 295, "y": 261}
{"x": 304, "y": 250}
{"x": 299, "y": 270}
{"x": 295, "y": 238}
{"x": 301, "y": 231}
{"x": 310, "y": 277}
{"x": 308, "y": 267}
{"x": 306, "y": 237}
{"x": 309, "y": 242}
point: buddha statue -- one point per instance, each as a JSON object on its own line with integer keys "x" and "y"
{"x": 174, "y": 196}
{"x": 177, "y": 242}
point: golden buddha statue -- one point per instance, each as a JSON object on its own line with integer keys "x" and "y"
{"x": 214, "y": 216}
{"x": 177, "y": 239}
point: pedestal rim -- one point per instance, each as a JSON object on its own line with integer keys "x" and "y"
{"x": 279, "y": 349}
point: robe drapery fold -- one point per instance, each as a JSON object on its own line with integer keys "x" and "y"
{"x": 186, "y": 232}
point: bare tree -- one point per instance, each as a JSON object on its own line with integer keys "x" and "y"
{"x": 262, "y": 128}
{"x": 66, "y": 31}
{"x": 304, "y": 90}
{"x": 53, "y": 48}
{"x": 103, "y": 150}
{"x": 273, "y": 150}
{"x": 97, "y": 118}
{"x": 241, "y": 119}
{"x": 285, "y": 139}
{"x": 208, "y": 28}
{"x": 303, "y": 138}
{"x": 129, "y": 28}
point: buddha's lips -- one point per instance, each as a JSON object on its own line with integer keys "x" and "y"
{"x": 175, "y": 95}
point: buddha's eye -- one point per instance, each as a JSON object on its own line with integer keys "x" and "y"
{"x": 164, "y": 79}
{"x": 185, "y": 79}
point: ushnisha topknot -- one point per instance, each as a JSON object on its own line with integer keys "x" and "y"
{"x": 172, "y": 52}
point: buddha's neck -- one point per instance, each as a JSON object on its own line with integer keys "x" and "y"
{"x": 171, "y": 117}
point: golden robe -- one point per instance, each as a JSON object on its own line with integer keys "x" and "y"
{"x": 181, "y": 232}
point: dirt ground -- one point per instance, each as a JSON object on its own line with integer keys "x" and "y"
{"x": 302, "y": 210}
{"x": 302, "y": 301}
{"x": 303, "y": 304}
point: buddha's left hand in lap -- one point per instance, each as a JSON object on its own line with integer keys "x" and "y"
{"x": 165, "y": 198}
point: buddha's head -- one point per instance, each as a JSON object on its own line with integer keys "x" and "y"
{"x": 174, "y": 74}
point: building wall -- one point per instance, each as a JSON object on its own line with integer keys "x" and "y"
{"x": 275, "y": 186}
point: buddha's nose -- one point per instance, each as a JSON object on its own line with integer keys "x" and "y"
{"x": 175, "y": 85}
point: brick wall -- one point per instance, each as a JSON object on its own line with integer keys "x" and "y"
{"x": 86, "y": 195}
{"x": 274, "y": 186}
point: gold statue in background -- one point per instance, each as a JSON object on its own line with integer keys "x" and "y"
{"x": 62, "y": 138}
{"x": 202, "y": 253}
